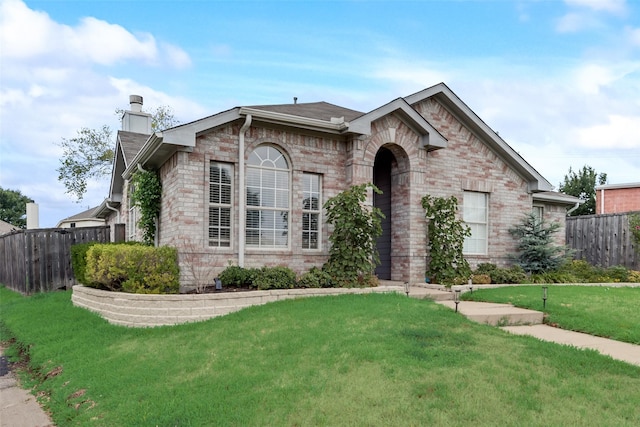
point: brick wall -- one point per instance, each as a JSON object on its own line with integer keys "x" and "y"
{"x": 618, "y": 200}
{"x": 467, "y": 164}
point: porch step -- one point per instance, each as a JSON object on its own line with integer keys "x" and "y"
{"x": 496, "y": 314}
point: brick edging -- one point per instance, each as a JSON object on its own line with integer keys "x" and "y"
{"x": 144, "y": 310}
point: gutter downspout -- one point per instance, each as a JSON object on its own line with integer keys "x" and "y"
{"x": 241, "y": 191}
{"x": 602, "y": 201}
{"x": 573, "y": 208}
{"x": 117, "y": 211}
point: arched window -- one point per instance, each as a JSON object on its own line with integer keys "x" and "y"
{"x": 268, "y": 183}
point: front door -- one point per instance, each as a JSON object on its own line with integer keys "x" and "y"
{"x": 382, "y": 180}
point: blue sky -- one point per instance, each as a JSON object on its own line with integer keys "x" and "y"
{"x": 559, "y": 80}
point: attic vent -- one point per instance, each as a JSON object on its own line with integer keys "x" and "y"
{"x": 295, "y": 99}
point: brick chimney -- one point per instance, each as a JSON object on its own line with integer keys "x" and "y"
{"x": 135, "y": 120}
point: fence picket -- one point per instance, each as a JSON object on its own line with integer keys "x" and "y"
{"x": 40, "y": 260}
{"x": 602, "y": 240}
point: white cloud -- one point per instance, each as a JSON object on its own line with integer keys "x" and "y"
{"x": 609, "y": 6}
{"x": 619, "y": 132}
{"x": 574, "y": 22}
{"x": 92, "y": 41}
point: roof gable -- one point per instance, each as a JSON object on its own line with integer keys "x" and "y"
{"x": 476, "y": 125}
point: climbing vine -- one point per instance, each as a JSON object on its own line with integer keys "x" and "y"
{"x": 146, "y": 195}
{"x": 353, "y": 255}
{"x": 446, "y": 236}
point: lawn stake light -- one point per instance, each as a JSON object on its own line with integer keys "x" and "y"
{"x": 544, "y": 296}
{"x": 456, "y": 298}
{"x": 406, "y": 288}
{"x": 218, "y": 284}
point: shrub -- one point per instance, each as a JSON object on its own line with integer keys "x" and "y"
{"x": 554, "y": 277}
{"x": 537, "y": 253}
{"x": 315, "y": 278}
{"x": 235, "y": 276}
{"x": 446, "y": 235}
{"x": 274, "y": 278}
{"x": 617, "y": 273}
{"x": 480, "y": 279}
{"x": 353, "y": 254}
{"x": 634, "y": 276}
{"x": 129, "y": 268}
{"x": 485, "y": 268}
{"x": 512, "y": 275}
{"x": 79, "y": 261}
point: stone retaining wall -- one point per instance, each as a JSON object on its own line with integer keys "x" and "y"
{"x": 141, "y": 310}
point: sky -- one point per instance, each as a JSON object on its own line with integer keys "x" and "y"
{"x": 558, "y": 80}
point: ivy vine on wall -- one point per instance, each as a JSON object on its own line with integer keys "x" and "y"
{"x": 147, "y": 196}
{"x": 446, "y": 235}
{"x": 634, "y": 227}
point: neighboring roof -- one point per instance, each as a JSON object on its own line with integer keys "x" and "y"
{"x": 6, "y": 228}
{"x": 618, "y": 186}
{"x": 89, "y": 214}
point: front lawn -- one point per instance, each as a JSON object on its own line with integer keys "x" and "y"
{"x": 375, "y": 360}
{"x": 611, "y": 312}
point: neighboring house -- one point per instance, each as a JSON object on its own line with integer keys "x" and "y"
{"x": 247, "y": 185}
{"x": 82, "y": 219}
{"x": 617, "y": 198}
{"x": 6, "y": 228}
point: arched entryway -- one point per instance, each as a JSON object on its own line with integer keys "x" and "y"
{"x": 382, "y": 179}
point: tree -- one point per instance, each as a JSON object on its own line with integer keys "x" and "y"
{"x": 536, "y": 250}
{"x": 583, "y": 185}
{"x": 90, "y": 154}
{"x": 13, "y": 207}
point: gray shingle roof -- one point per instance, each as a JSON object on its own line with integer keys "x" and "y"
{"x": 312, "y": 110}
{"x": 131, "y": 143}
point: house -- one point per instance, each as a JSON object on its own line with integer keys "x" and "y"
{"x": 6, "y": 228}
{"x": 247, "y": 185}
{"x": 617, "y": 198}
{"x": 82, "y": 219}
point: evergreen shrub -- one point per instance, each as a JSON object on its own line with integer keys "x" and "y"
{"x": 133, "y": 268}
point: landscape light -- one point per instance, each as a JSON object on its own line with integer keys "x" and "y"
{"x": 406, "y": 288}
{"x": 456, "y": 298}
{"x": 544, "y": 296}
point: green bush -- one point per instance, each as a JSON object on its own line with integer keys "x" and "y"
{"x": 485, "y": 268}
{"x": 274, "y": 278}
{"x": 235, "y": 276}
{"x": 315, "y": 278}
{"x": 511, "y": 275}
{"x": 133, "y": 268}
{"x": 79, "y": 261}
{"x": 480, "y": 279}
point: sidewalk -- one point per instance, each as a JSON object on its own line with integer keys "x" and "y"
{"x": 18, "y": 407}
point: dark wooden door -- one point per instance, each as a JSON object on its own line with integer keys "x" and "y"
{"x": 382, "y": 180}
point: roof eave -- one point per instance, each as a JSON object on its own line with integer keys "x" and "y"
{"x": 336, "y": 125}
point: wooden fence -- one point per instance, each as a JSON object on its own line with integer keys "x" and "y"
{"x": 603, "y": 240}
{"x": 40, "y": 260}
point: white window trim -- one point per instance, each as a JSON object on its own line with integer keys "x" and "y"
{"x": 310, "y": 211}
{"x": 485, "y": 223}
{"x": 289, "y": 210}
{"x": 209, "y": 205}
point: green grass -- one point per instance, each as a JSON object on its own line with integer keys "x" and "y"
{"x": 374, "y": 360}
{"x": 609, "y": 312}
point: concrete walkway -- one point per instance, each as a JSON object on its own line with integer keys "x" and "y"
{"x": 520, "y": 321}
{"x": 18, "y": 407}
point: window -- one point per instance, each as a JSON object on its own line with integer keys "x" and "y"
{"x": 311, "y": 204}
{"x": 132, "y": 219}
{"x": 538, "y": 213}
{"x": 220, "y": 186}
{"x": 475, "y": 213}
{"x": 267, "y": 221}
